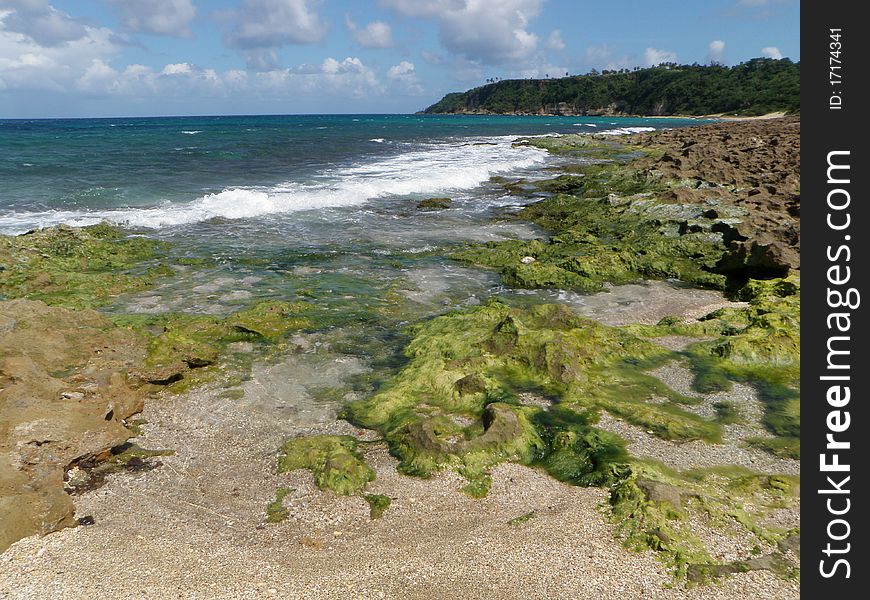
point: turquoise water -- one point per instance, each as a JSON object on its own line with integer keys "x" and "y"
{"x": 320, "y": 209}
{"x": 308, "y": 207}
{"x": 164, "y": 172}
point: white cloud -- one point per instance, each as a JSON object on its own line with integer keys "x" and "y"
{"x": 602, "y": 58}
{"x": 161, "y": 17}
{"x": 771, "y": 52}
{"x": 653, "y": 56}
{"x": 555, "y": 41}
{"x": 432, "y": 58}
{"x": 31, "y": 59}
{"x": 402, "y": 69}
{"x": 176, "y": 69}
{"x": 424, "y": 8}
{"x": 404, "y": 75}
{"x": 273, "y": 23}
{"x": 184, "y": 80}
{"x": 41, "y": 22}
{"x": 491, "y": 32}
{"x": 376, "y": 34}
{"x": 717, "y": 50}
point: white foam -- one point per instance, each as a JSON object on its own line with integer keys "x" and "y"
{"x": 627, "y": 130}
{"x": 192, "y": 132}
{"x": 440, "y": 168}
{"x": 378, "y": 140}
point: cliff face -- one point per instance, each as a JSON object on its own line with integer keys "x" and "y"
{"x": 756, "y": 87}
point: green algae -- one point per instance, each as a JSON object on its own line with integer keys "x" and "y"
{"x": 757, "y": 344}
{"x": 727, "y": 412}
{"x": 522, "y": 519}
{"x": 334, "y": 460}
{"x": 726, "y": 496}
{"x": 78, "y": 267}
{"x": 185, "y": 350}
{"x": 378, "y": 504}
{"x": 276, "y": 512}
{"x": 454, "y": 404}
{"x": 434, "y": 203}
{"x": 597, "y": 240}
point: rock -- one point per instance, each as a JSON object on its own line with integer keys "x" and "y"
{"x": 47, "y": 422}
{"x": 657, "y": 491}
{"x": 527, "y": 259}
{"x": 470, "y": 384}
{"x": 434, "y": 203}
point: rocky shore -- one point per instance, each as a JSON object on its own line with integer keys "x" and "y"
{"x": 512, "y": 450}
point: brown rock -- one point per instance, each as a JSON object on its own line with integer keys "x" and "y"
{"x": 47, "y": 355}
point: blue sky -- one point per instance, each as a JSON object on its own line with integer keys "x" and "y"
{"x": 69, "y": 58}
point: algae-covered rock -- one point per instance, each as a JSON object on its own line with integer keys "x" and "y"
{"x": 434, "y": 203}
{"x": 180, "y": 343}
{"x": 334, "y": 461}
{"x": 597, "y": 240}
{"x": 78, "y": 267}
{"x": 378, "y": 504}
{"x": 455, "y": 403}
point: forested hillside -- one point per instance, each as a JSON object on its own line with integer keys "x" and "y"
{"x": 758, "y": 86}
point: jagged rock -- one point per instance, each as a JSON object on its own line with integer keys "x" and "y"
{"x": 47, "y": 423}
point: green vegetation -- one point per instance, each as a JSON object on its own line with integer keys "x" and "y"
{"x": 758, "y": 344}
{"x": 184, "y": 350}
{"x": 756, "y": 87}
{"x": 652, "y": 505}
{"x": 618, "y": 230}
{"x": 455, "y": 404}
{"x": 334, "y": 461}
{"x": 78, "y": 267}
{"x": 275, "y": 510}
{"x": 522, "y": 519}
{"x": 378, "y": 504}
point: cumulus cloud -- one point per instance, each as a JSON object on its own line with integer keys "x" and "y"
{"x": 717, "y": 51}
{"x": 181, "y": 80}
{"x": 273, "y": 23}
{"x": 555, "y": 41}
{"x": 402, "y": 69}
{"x": 491, "y": 32}
{"x": 771, "y": 52}
{"x": 43, "y": 23}
{"x": 653, "y": 56}
{"x": 404, "y": 78}
{"x": 161, "y": 17}
{"x": 34, "y": 57}
{"x": 376, "y": 34}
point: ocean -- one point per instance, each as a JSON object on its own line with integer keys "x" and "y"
{"x": 321, "y": 207}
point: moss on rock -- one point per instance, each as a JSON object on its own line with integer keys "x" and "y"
{"x": 78, "y": 267}
{"x": 334, "y": 461}
{"x": 455, "y": 404}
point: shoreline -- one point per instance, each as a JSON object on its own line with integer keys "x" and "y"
{"x": 211, "y": 438}
{"x": 717, "y": 116}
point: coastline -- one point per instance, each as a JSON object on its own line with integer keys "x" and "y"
{"x": 209, "y": 435}
{"x": 716, "y": 116}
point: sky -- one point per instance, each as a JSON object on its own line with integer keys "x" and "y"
{"x": 100, "y": 58}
